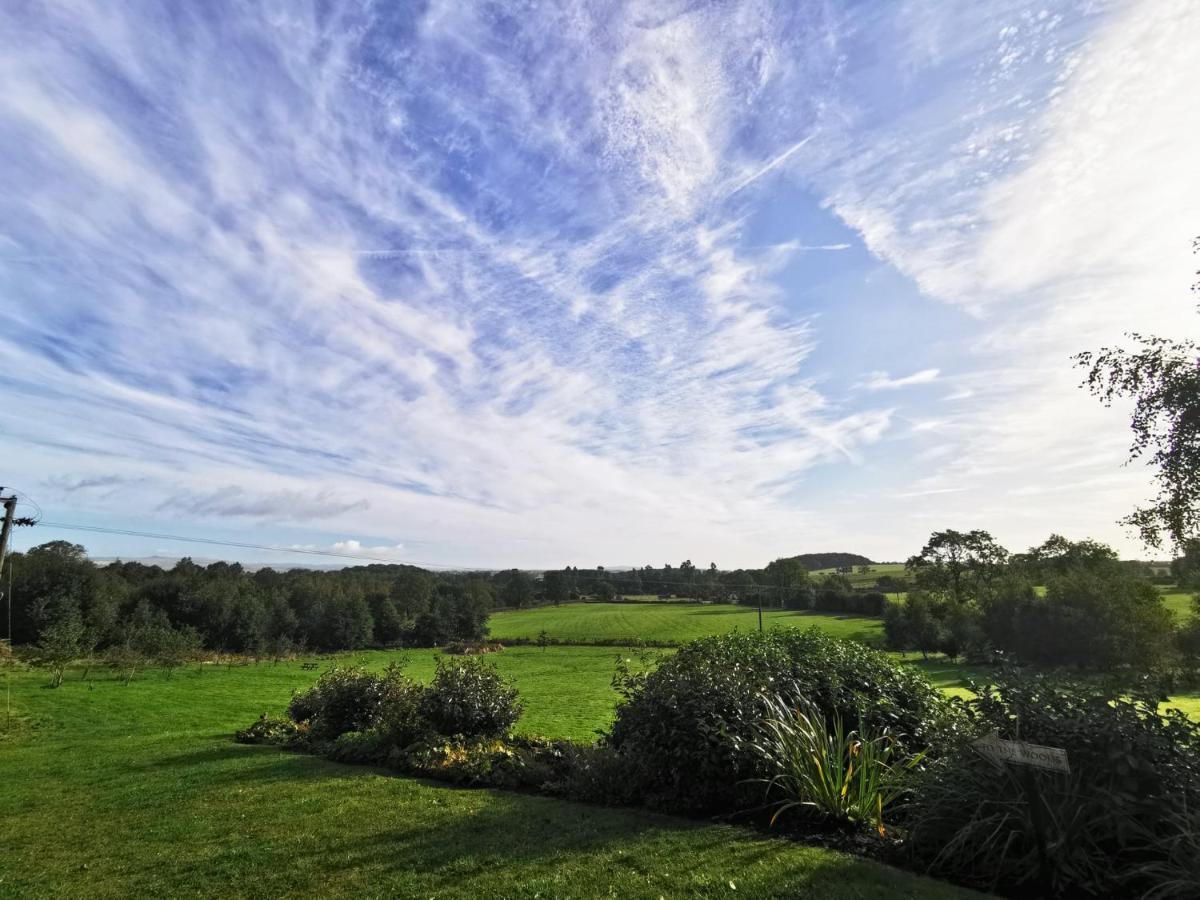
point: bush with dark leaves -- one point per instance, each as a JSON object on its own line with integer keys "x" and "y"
{"x": 1112, "y": 827}
{"x": 684, "y": 730}
{"x": 269, "y": 730}
{"x": 469, "y": 697}
{"x": 345, "y": 699}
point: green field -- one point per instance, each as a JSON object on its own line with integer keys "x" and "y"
{"x": 108, "y": 791}
{"x": 606, "y": 622}
{"x": 1179, "y": 603}
{"x": 868, "y": 579}
{"x": 114, "y": 791}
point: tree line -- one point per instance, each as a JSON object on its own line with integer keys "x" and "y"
{"x": 61, "y": 596}
{"x": 785, "y": 583}
{"x": 1061, "y": 603}
{"x": 224, "y": 607}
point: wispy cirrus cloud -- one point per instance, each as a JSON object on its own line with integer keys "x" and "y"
{"x": 881, "y": 381}
{"x": 234, "y": 501}
{"x": 377, "y": 249}
{"x": 505, "y": 284}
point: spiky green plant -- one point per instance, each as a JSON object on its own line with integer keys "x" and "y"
{"x": 814, "y": 763}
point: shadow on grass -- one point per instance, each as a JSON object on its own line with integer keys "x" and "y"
{"x": 462, "y": 837}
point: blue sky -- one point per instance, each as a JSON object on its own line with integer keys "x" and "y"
{"x": 614, "y": 283}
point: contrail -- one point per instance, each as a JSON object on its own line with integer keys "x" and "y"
{"x": 773, "y": 164}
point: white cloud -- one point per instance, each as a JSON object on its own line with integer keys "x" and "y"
{"x": 507, "y": 308}
{"x": 498, "y": 310}
{"x": 881, "y": 381}
{"x": 1062, "y": 221}
{"x": 351, "y": 547}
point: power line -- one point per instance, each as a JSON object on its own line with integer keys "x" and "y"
{"x": 583, "y": 576}
{"x": 240, "y": 544}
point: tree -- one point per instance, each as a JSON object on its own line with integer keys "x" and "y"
{"x": 516, "y": 589}
{"x": 60, "y": 644}
{"x": 1162, "y": 377}
{"x": 1185, "y": 568}
{"x": 896, "y": 633}
{"x": 124, "y": 657}
{"x": 923, "y": 628}
{"x": 54, "y": 577}
{"x": 280, "y": 626}
{"x": 168, "y": 647}
{"x": 1057, "y": 555}
{"x": 1188, "y": 637}
{"x": 348, "y": 623}
{"x": 554, "y": 586}
{"x": 787, "y": 576}
{"x": 958, "y": 566}
{"x": 1100, "y": 619}
{"x": 889, "y": 584}
{"x": 389, "y": 626}
{"x": 961, "y": 629}
{"x": 411, "y": 592}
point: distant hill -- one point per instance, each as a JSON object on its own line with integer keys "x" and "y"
{"x": 813, "y": 561}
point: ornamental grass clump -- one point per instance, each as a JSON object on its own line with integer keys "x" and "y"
{"x": 847, "y": 776}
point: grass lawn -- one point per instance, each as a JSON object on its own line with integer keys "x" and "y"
{"x": 1180, "y": 604}
{"x": 590, "y": 622}
{"x": 114, "y": 791}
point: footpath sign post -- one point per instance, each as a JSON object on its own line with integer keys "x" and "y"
{"x": 1052, "y": 759}
{"x": 1028, "y": 756}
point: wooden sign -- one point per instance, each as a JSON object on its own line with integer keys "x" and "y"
{"x": 992, "y": 747}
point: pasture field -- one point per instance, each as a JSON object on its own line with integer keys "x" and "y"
{"x": 605, "y": 622}
{"x": 868, "y": 579}
{"x": 115, "y": 791}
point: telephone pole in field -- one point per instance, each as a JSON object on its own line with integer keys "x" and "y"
{"x": 10, "y": 508}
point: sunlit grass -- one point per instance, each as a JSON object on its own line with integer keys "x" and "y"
{"x": 115, "y": 791}
{"x": 590, "y": 622}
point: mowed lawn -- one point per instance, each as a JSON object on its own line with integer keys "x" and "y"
{"x": 115, "y": 791}
{"x": 608, "y": 622}
{"x": 1179, "y": 603}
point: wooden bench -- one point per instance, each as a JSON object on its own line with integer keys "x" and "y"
{"x": 310, "y": 666}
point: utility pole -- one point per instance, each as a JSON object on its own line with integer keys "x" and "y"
{"x": 10, "y": 507}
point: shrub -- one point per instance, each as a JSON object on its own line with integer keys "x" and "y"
{"x": 345, "y": 699}
{"x": 599, "y": 774}
{"x": 469, "y": 697}
{"x": 269, "y": 730}
{"x": 369, "y": 747}
{"x": 1106, "y": 826}
{"x": 400, "y": 720}
{"x": 459, "y": 761}
{"x": 848, "y": 777}
{"x": 535, "y": 763}
{"x": 686, "y": 729}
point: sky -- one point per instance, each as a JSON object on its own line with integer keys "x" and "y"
{"x": 536, "y": 284}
